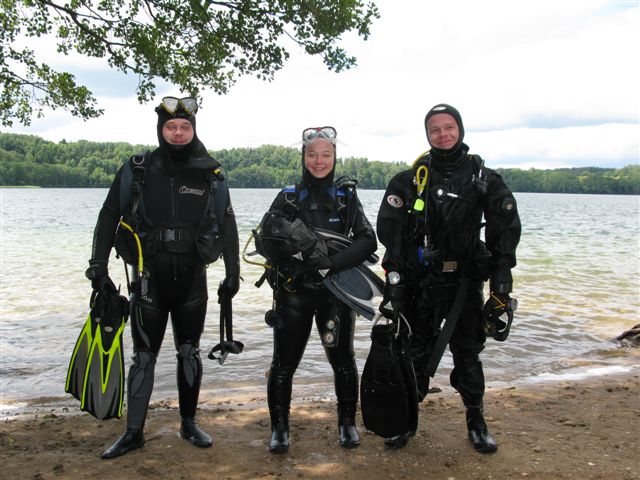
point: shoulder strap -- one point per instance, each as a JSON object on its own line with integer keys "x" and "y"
{"x": 131, "y": 182}
{"x": 479, "y": 173}
{"x": 218, "y": 195}
{"x": 290, "y": 196}
{"x": 343, "y": 191}
{"x": 346, "y": 187}
{"x": 477, "y": 161}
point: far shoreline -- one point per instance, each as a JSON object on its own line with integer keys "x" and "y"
{"x": 280, "y": 186}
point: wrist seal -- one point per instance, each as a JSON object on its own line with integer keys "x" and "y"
{"x": 501, "y": 288}
{"x": 96, "y": 270}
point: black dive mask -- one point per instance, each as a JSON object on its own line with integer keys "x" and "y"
{"x": 173, "y": 108}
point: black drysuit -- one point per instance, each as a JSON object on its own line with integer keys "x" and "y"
{"x": 297, "y": 305}
{"x": 436, "y": 253}
{"x": 174, "y": 199}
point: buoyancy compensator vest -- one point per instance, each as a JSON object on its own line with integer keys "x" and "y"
{"x": 446, "y": 223}
{"x": 291, "y": 204}
{"x": 342, "y": 193}
{"x": 284, "y": 267}
{"x": 137, "y": 236}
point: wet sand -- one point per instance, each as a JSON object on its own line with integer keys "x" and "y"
{"x": 585, "y": 429}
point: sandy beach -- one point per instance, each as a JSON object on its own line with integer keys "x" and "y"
{"x": 586, "y": 429}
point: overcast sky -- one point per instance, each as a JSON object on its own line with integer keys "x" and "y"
{"x": 544, "y": 83}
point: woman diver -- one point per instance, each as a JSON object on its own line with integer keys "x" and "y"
{"x": 298, "y": 259}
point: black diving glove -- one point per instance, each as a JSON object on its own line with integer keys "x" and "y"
{"x": 100, "y": 280}
{"x": 229, "y": 286}
{"x": 498, "y": 315}
{"x": 305, "y": 240}
{"x": 319, "y": 262}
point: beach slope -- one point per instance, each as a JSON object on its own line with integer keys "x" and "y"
{"x": 587, "y": 429}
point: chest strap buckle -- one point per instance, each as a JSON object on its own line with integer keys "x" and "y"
{"x": 449, "y": 266}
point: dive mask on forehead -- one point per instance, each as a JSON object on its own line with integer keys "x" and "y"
{"x": 173, "y": 104}
{"x": 326, "y": 133}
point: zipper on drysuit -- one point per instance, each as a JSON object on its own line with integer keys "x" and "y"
{"x": 174, "y": 258}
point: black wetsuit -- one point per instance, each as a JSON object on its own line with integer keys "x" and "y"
{"x": 308, "y": 298}
{"x": 433, "y": 273}
{"x": 173, "y": 202}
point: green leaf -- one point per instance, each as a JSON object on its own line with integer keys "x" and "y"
{"x": 192, "y": 44}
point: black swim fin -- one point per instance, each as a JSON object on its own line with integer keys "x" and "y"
{"x": 96, "y": 371}
{"x": 356, "y": 287}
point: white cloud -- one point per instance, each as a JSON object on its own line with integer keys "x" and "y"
{"x": 606, "y": 145}
{"x": 543, "y": 84}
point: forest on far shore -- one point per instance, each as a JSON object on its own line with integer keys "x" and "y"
{"x": 29, "y": 160}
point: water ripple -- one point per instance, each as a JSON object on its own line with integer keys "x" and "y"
{"x": 577, "y": 281}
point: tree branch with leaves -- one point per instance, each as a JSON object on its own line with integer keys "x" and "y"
{"x": 193, "y": 44}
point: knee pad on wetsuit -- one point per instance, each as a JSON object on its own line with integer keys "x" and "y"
{"x": 189, "y": 364}
{"x": 141, "y": 373}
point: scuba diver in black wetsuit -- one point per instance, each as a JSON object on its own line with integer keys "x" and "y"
{"x": 436, "y": 264}
{"x": 176, "y": 202}
{"x": 299, "y": 294}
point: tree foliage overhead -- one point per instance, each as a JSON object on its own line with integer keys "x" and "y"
{"x": 192, "y": 44}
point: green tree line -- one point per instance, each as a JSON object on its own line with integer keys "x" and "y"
{"x": 625, "y": 181}
{"x": 33, "y": 161}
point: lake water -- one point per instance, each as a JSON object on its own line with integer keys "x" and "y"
{"x": 577, "y": 282}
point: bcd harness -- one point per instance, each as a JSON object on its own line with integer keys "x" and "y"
{"x": 429, "y": 257}
{"x": 286, "y": 276}
{"x": 208, "y": 236}
{"x": 418, "y": 209}
{"x": 343, "y": 193}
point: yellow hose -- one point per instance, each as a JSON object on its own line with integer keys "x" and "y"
{"x": 139, "y": 245}
{"x": 251, "y": 262}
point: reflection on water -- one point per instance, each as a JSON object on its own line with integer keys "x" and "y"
{"x": 577, "y": 281}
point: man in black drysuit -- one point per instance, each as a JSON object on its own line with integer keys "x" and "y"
{"x": 180, "y": 234}
{"x": 436, "y": 264}
{"x": 299, "y": 294}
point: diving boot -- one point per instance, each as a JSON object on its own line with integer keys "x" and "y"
{"x": 279, "y": 442}
{"x": 399, "y": 441}
{"x": 349, "y": 437}
{"x": 479, "y": 434}
{"x": 189, "y": 430}
{"x": 130, "y": 440}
